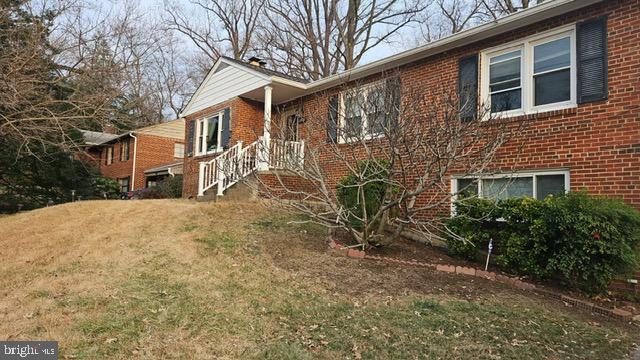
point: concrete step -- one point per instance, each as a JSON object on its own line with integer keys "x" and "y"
{"x": 241, "y": 191}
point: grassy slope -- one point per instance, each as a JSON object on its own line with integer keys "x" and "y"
{"x": 173, "y": 279}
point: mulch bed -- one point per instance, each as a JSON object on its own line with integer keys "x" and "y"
{"x": 408, "y": 250}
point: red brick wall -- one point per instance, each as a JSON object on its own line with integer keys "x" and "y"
{"x": 151, "y": 151}
{"x": 272, "y": 184}
{"x": 117, "y": 169}
{"x": 598, "y": 142}
{"x": 247, "y": 118}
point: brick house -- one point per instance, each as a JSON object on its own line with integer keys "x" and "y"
{"x": 138, "y": 158}
{"x": 569, "y": 69}
{"x": 587, "y": 132}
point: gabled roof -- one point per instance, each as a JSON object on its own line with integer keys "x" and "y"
{"x": 171, "y": 129}
{"x": 266, "y": 71}
{"x": 97, "y": 138}
{"x": 163, "y": 168}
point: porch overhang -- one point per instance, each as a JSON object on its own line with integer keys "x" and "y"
{"x": 283, "y": 90}
{"x": 165, "y": 170}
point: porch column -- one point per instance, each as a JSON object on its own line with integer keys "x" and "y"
{"x": 201, "y": 178}
{"x": 266, "y": 137}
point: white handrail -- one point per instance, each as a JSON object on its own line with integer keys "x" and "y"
{"x": 237, "y": 162}
{"x": 286, "y": 154}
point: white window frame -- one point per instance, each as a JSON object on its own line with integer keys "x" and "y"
{"x": 365, "y": 135}
{"x": 514, "y": 175}
{"x": 202, "y": 129}
{"x": 526, "y": 72}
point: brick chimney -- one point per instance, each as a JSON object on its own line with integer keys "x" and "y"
{"x": 256, "y": 61}
{"x": 109, "y": 128}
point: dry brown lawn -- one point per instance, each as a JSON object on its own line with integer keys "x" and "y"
{"x": 176, "y": 279}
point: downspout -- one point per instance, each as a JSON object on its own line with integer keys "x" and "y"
{"x": 135, "y": 152}
{"x": 170, "y": 172}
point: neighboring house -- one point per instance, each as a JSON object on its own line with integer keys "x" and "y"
{"x": 138, "y": 158}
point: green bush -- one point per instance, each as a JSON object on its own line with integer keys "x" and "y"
{"x": 584, "y": 240}
{"x": 472, "y": 228}
{"x": 171, "y": 187}
{"x": 349, "y": 195}
{"x": 104, "y": 186}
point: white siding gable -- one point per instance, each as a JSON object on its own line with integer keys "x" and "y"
{"x": 222, "y": 84}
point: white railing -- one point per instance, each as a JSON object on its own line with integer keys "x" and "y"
{"x": 237, "y": 162}
{"x": 219, "y": 171}
{"x": 286, "y": 154}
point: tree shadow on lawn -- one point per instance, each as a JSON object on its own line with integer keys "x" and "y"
{"x": 303, "y": 249}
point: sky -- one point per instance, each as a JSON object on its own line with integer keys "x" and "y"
{"x": 155, "y": 8}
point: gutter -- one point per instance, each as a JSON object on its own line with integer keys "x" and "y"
{"x": 135, "y": 153}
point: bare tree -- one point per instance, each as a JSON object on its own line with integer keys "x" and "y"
{"x": 228, "y": 26}
{"x": 446, "y": 17}
{"x": 318, "y": 38}
{"x": 174, "y": 80}
{"x": 395, "y": 151}
{"x": 299, "y": 37}
{"x": 41, "y": 99}
{"x": 459, "y": 14}
{"x": 499, "y": 8}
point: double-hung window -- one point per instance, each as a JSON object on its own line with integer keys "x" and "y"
{"x": 109, "y": 155}
{"x": 538, "y": 185}
{"x": 124, "y": 184}
{"x": 209, "y": 130}
{"x": 364, "y": 112}
{"x": 124, "y": 150}
{"x": 505, "y": 81}
{"x": 532, "y": 75}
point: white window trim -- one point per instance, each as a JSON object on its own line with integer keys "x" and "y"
{"x": 365, "y": 122}
{"x": 514, "y": 175}
{"x": 202, "y": 129}
{"x": 526, "y": 72}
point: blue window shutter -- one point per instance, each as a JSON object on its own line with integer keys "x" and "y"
{"x": 468, "y": 87}
{"x": 394, "y": 90}
{"x": 191, "y": 127}
{"x": 592, "y": 54}
{"x": 226, "y": 128}
{"x": 332, "y": 121}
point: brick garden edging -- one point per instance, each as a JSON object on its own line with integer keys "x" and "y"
{"x": 616, "y": 313}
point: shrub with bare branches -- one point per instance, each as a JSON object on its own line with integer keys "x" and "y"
{"x": 401, "y": 143}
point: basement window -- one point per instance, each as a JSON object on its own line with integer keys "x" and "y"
{"x": 537, "y": 185}
{"x": 124, "y": 184}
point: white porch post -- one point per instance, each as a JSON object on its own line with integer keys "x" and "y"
{"x": 201, "y": 179}
{"x": 266, "y": 138}
{"x": 220, "y": 173}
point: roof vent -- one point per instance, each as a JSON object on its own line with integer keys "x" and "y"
{"x": 256, "y": 61}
